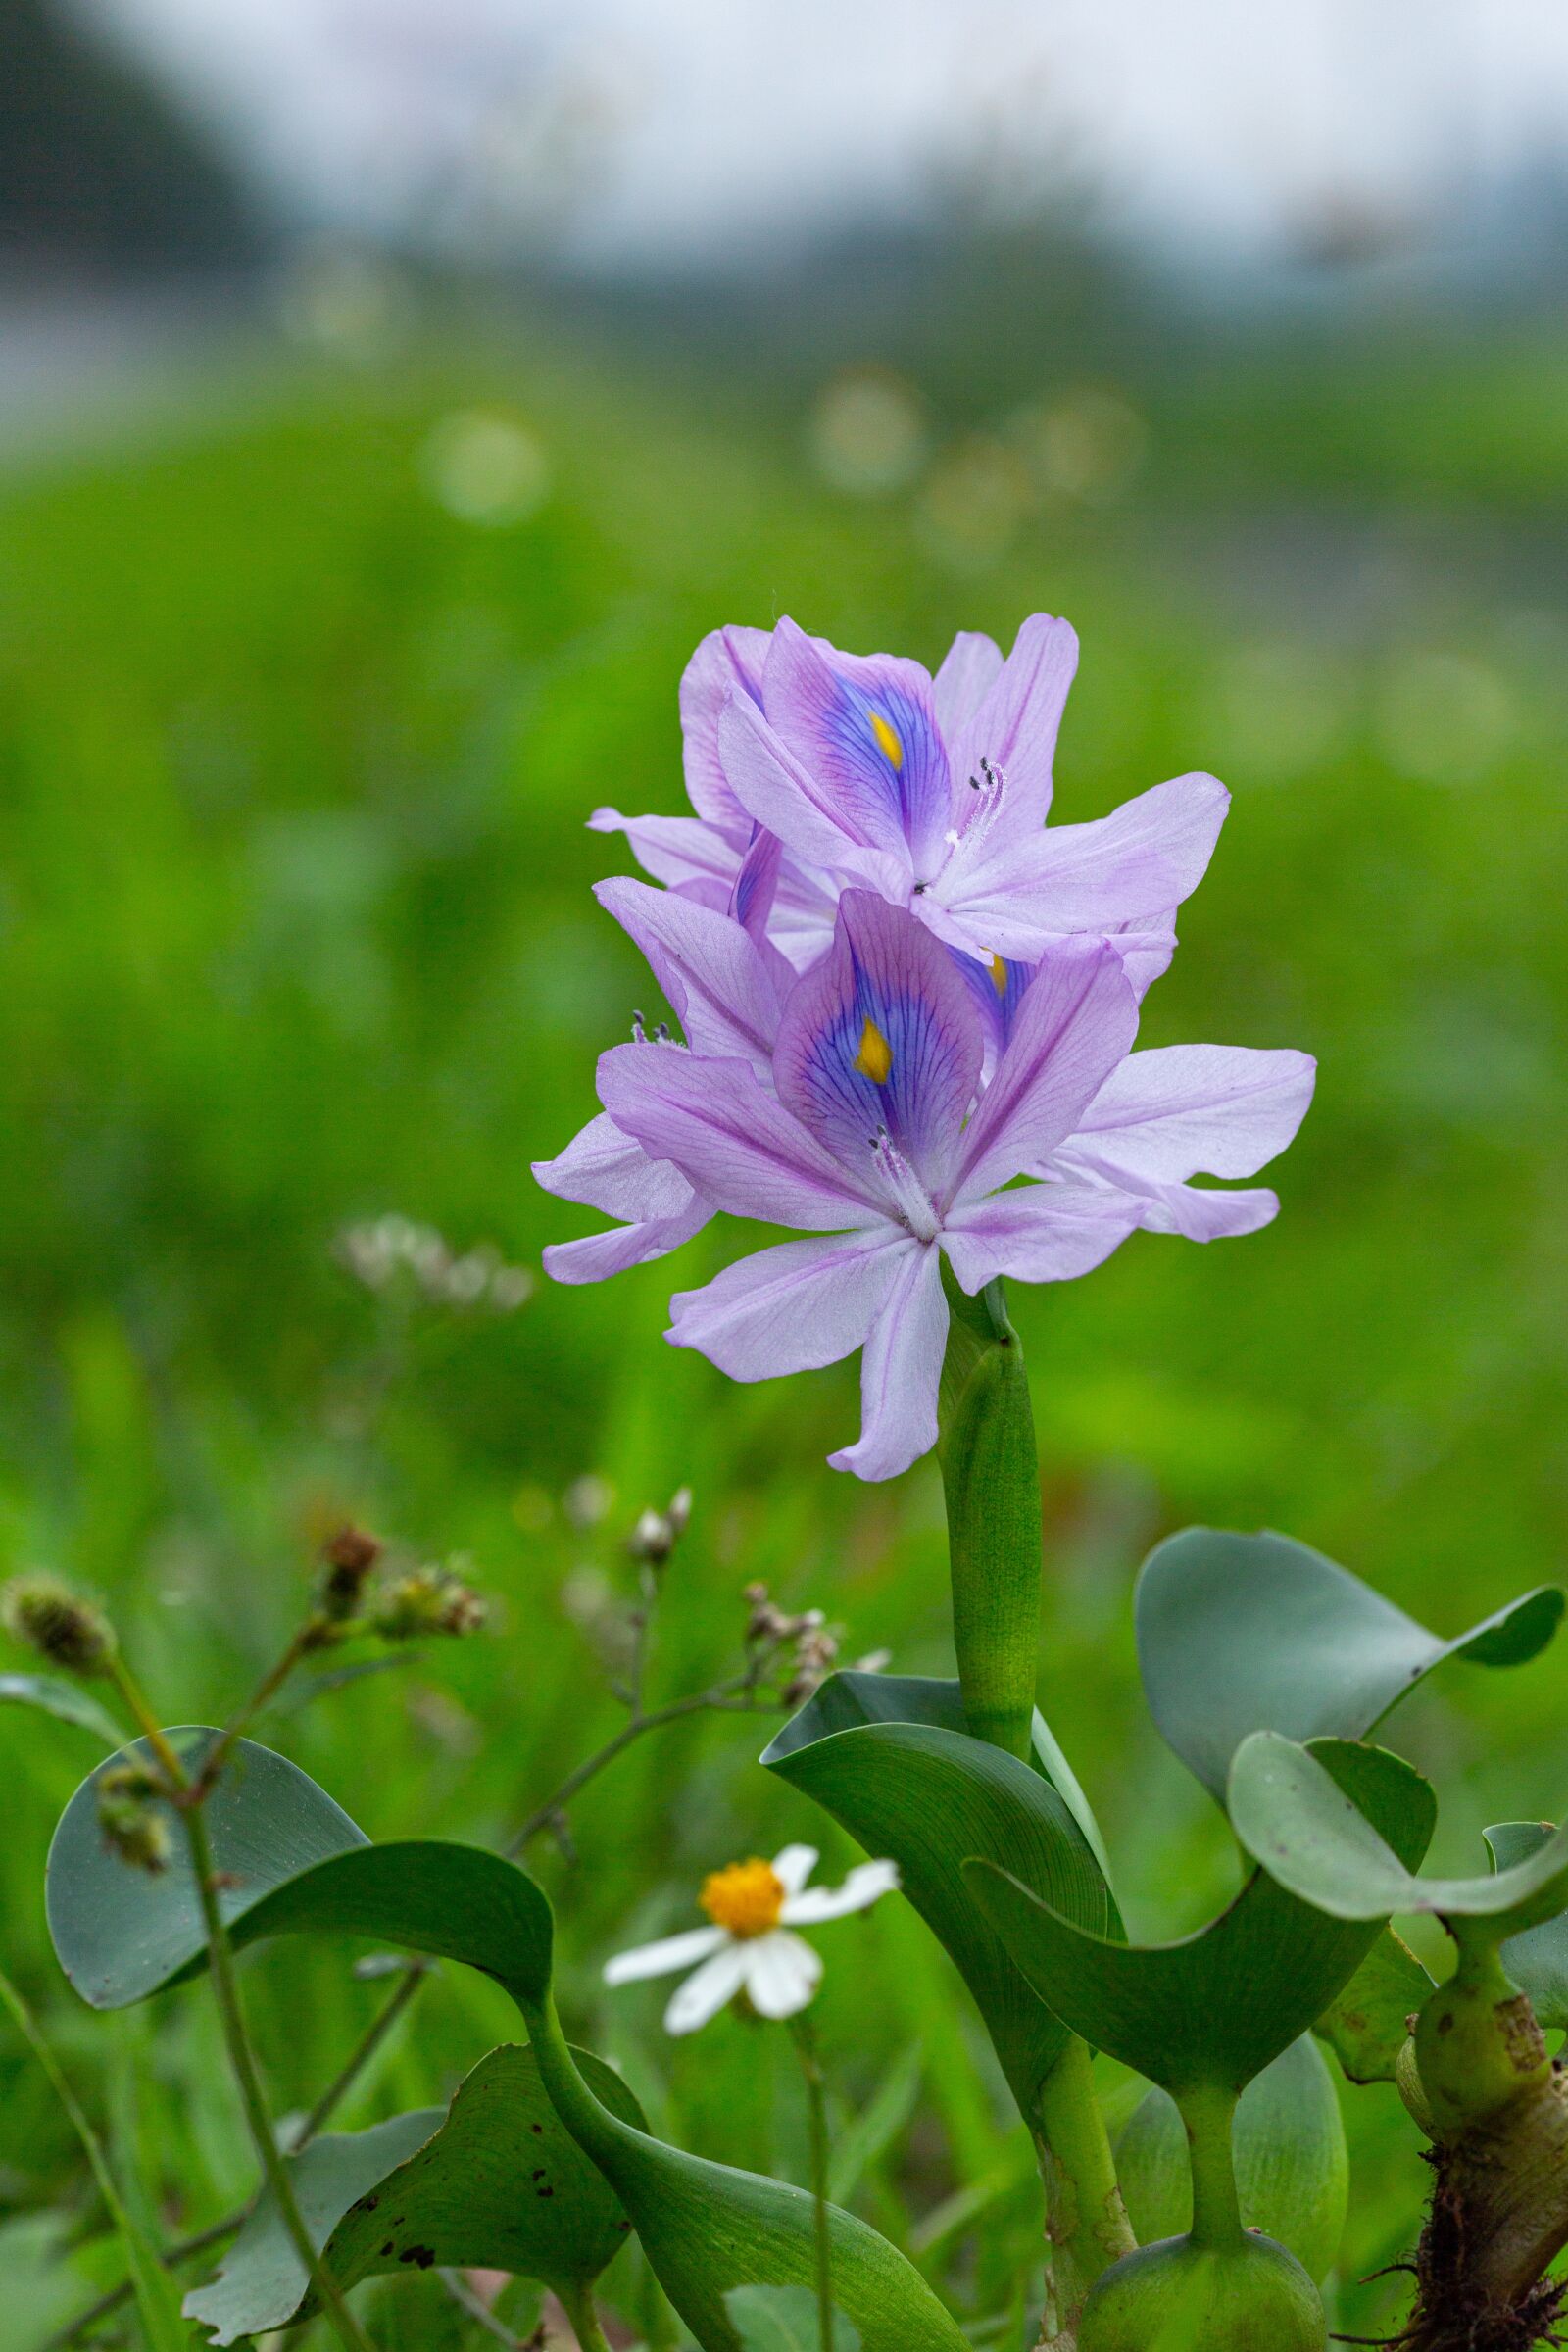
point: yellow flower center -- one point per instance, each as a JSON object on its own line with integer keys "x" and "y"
{"x": 888, "y": 743}
{"x": 875, "y": 1059}
{"x": 998, "y": 975}
{"x": 747, "y": 1899}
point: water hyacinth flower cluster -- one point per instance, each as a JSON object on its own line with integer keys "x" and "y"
{"x": 909, "y": 1007}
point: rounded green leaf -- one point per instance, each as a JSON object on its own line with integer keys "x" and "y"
{"x": 1240, "y": 1634}
{"x": 1538, "y": 1959}
{"x": 1292, "y": 2172}
{"x": 496, "y": 2182}
{"x": 1213, "y": 2010}
{"x": 294, "y": 1863}
{"x": 706, "y": 2228}
{"x": 1313, "y": 1836}
{"x": 1366, "y": 2024}
{"x": 930, "y": 1796}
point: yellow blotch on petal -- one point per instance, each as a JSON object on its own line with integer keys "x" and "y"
{"x": 875, "y": 1059}
{"x": 745, "y": 1898}
{"x": 998, "y": 975}
{"x": 888, "y": 743}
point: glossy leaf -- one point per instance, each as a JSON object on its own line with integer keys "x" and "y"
{"x": 706, "y": 2228}
{"x": 1213, "y": 2010}
{"x": 784, "y": 2319}
{"x": 1366, "y": 2024}
{"x": 297, "y": 1864}
{"x": 1297, "y": 1820}
{"x": 1292, "y": 2167}
{"x": 930, "y": 1796}
{"x": 1536, "y": 1960}
{"x": 1240, "y": 1634}
{"x": 496, "y": 2182}
{"x": 64, "y": 1700}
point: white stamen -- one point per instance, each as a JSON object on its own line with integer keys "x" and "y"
{"x": 911, "y": 1202}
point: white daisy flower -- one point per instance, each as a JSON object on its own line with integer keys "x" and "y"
{"x": 753, "y": 1905}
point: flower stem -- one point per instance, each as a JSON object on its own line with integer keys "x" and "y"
{"x": 578, "y": 2306}
{"x": 804, "y": 2042}
{"x": 990, "y": 1479}
{"x": 220, "y": 1959}
{"x": 1086, "y": 2220}
{"x": 1209, "y": 2114}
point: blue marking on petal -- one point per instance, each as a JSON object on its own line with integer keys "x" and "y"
{"x": 998, "y": 1006}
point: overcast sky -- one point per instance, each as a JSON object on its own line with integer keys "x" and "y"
{"x": 660, "y": 127}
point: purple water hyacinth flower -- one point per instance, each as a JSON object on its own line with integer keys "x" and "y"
{"x": 1159, "y": 1118}
{"x": 867, "y": 1140}
{"x": 932, "y": 792}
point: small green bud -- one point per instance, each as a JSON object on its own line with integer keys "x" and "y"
{"x": 1476, "y": 2043}
{"x": 133, "y": 1827}
{"x": 1180, "y": 2297}
{"x": 430, "y": 1600}
{"x": 58, "y": 1623}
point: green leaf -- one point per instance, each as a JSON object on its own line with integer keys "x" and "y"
{"x": 707, "y": 2230}
{"x": 990, "y": 1482}
{"x": 1214, "y": 2009}
{"x": 704, "y": 2228}
{"x": 1536, "y": 1960}
{"x": 930, "y": 1796}
{"x": 1366, "y": 2024}
{"x": 153, "y": 2289}
{"x": 296, "y": 1862}
{"x": 1292, "y": 2167}
{"x": 784, "y": 2319}
{"x": 1240, "y": 1634}
{"x": 1310, "y": 1834}
{"x": 64, "y": 1700}
{"x": 495, "y": 2184}
{"x": 868, "y": 2134}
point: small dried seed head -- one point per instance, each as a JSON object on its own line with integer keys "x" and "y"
{"x": 58, "y": 1623}
{"x": 651, "y": 1540}
{"x": 428, "y": 1600}
{"x": 349, "y": 1556}
{"x": 131, "y": 1823}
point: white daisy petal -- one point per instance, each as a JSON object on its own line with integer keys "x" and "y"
{"x": 704, "y": 1995}
{"x": 864, "y": 1885}
{"x": 660, "y": 1959}
{"x": 782, "y": 1971}
{"x": 794, "y": 1866}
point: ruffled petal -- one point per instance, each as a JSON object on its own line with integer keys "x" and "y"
{"x": 880, "y": 1038}
{"x": 685, "y": 852}
{"x": 864, "y": 729}
{"x": 969, "y": 670}
{"x": 661, "y": 1959}
{"x": 1038, "y": 1233}
{"x": 720, "y": 986}
{"x": 598, "y": 1255}
{"x": 605, "y": 1169}
{"x": 736, "y": 1143}
{"x": 782, "y": 1971}
{"x": 1016, "y": 723}
{"x": 728, "y": 662}
{"x": 1077, "y": 1019}
{"x": 866, "y": 1884}
{"x": 792, "y": 1308}
{"x": 1225, "y": 1111}
{"x": 899, "y": 1372}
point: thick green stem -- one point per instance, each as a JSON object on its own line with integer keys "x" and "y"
{"x": 592, "y": 2129}
{"x": 816, "y": 2111}
{"x": 991, "y": 1478}
{"x": 1208, "y": 2115}
{"x": 1086, "y": 2220}
{"x": 578, "y": 2306}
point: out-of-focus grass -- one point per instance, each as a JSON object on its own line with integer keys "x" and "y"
{"x": 295, "y": 928}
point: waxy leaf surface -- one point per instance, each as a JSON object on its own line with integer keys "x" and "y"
{"x": 1292, "y": 2172}
{"x": 1365, "y": 2024}
{"x": 1313, "y": 1834}
{"x": 496, "y": 2182}
{"x": 784, "y": 2319}
{"x": 1538, "y": 1959}
{"x": 930, "y": 1796}
{"x": 1213, "y": 2010}
{"x": 1240, "y": 1634}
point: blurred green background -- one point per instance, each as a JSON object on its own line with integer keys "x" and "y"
{"x": 313, "y": 662}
